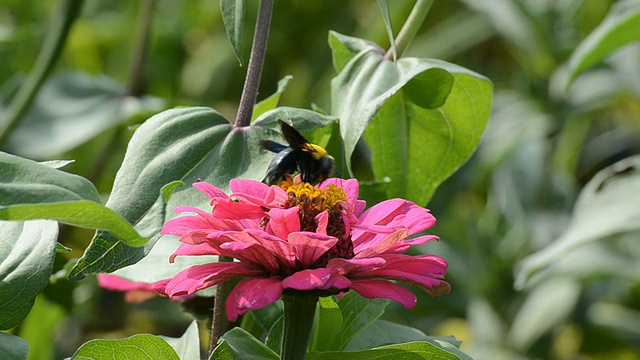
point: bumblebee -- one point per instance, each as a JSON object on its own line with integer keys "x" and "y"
{"x": 311, "y": 161}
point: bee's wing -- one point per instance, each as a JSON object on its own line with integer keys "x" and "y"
{"x": 272, "y": 146}
{"x": 293, "y": 137}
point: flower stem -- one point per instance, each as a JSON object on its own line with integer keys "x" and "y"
{"x": 51, "y": 51}
{"x": 256, "y": 61}
{"x": 410, "y": 27}
{"x": 299, "y": 311}
{"x": 220, "y": 324}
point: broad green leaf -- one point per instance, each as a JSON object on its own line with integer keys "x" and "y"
{"x": 608, "y": 205}
{"x": 13, "y": 347}
{"x": 384, "y": 9}
{"x": 188, "y": 145}
{"x": 440, "y": 350}
{"x": 63, "y": 249}
{"x": 358, "y": 313}
{"x": 545, "y": 307}
{"x": 23, "y": 181}
{"x": 30, "y": 190}
{"x": 421, "y": 118}
{"x": 139, "y": 347}
{"x": 383, "y": 332}
{"x": 188, "y": 345}
{"x": 327, "y": 328}
{"x": 72, "y": 108}
{"x": 619, "y": 28}
{"x": 27, "y": 252}
{"x": 233, "y": 19}
{"x": 243, "y": 345}
{"x": 268, "y": 315}
{"x": 344, "y": 48}
{"x": 272, "y": 101}
{"x": 222, "y": 352}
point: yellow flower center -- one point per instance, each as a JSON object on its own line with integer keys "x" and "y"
{"x": 312, "y": 201}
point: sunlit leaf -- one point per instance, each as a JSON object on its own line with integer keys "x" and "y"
{"x": 188, "y": 345}
{"x": 143, "y": 347}
{"x": 421, "y": 118}
{"x": 243, "y": 345}
{"x": 27, "y": 251}
{"x": 272, "y": 101}
{"x": 327, "y": 328}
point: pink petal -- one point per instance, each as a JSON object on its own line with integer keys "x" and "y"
{"x": 258, "y": 247}
{"x": 348, "y": 266}
{"x": 252, "y": 294}
{"x": 114, "y": 282}
{"x": 211, "y": 191}
{"x": 200, "y": 277}
{"x": 322, "y": 221}
{"x": 403, "y": 246}
{"x": 194, "y": 250}
{"x": 310, "y": 246}
{"x": 372, "y": 289}
{"x": 384, "y": 245}
{"x": 257, "y": 193}
{"x": 320, "y": 278}
{"x": 393, "y": 215}
{"x": 358, "y": 207}
{"x": 282, "y": 222}
{"x": 231, "y": 210}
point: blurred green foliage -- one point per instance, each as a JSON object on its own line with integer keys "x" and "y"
{"x": 515, "y": 197}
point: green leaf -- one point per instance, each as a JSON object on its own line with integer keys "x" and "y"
{"x": 274, "y": 337}
{"x": 188, "y": 345}
{"x": 327, "y": 328}
{"x": 188, "y": 145}
{"x": 358, "y": 313}
{"x": 27, "y": 252}
{"x": 243, "y": 345}
{"x": 30, "y": 190}
{"x": 384, "y": 9}
{"x": 63, "y": 249}
{"x": 272, "y": 101}
{"x": 440, "y": 350}
{"x": 383, "y": 332}
{"x": 12, "y": 347}
{"x": 344, "y": 48}
{"x": 69, "y": 110}
{"x": 619, "y": 28}
{"x": 233, "y": 19}
{"x": 547, "y": 306}
{"x": 421, "y": 118}
{"x": 23, "y": 181}
{"x": 143, "y": 346}
{"x": 268, "y": 315}
{"x": 608, "y": 205}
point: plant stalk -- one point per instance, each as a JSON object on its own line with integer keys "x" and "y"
{"x": 410, "y": 28}
{"x": 220, "y": 324}
{"x": 135, "y": 82}
{"x": 52, "y": 48}
{"x": 299, "y": 311}
{"x": 256, "y": 62}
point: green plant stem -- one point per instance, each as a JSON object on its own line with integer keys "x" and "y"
{"x": 67, "y": 12}
{"x": 220, "y": 324}
{"x": 256, "y": 62}
{"x": 410, "y": 27}
{"x": 135, "y": 82}
{"x": 299, "y": 311}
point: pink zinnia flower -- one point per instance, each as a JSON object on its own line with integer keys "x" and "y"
{"x": 303, "y": 237}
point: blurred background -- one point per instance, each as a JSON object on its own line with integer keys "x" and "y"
{"x": 513, "y": 198}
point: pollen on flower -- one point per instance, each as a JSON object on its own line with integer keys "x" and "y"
{"x": 312, "y": 201}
